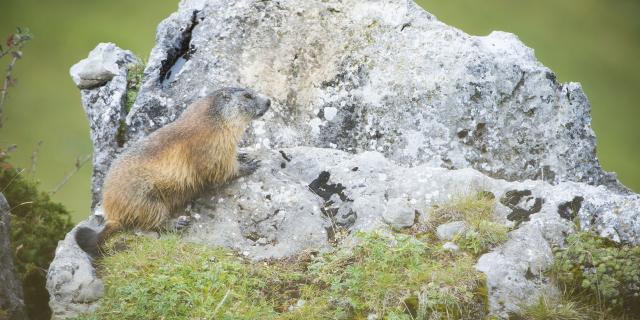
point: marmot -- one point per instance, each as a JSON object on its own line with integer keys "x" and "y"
{"x": 159, "y": 174}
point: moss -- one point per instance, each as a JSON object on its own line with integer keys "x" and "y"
{"x": 135, "y": 75}
{"x": 36, "y": 227}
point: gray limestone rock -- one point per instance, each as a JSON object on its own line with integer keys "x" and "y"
{"x": 104, "y": 103}
{"x": 11, "y": 295}
{"x": 398, "y": 213}
{"x": 375, "y": 75}
{"x": 449, "y": 230}
{"x": 450, "y": 246}
{"x": 73, "y": 285}
{"x": 379, "y": 111}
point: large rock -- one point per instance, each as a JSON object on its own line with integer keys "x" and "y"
{"x": 11, "y": 295}
{"x": 379, "y": 112}
{"x": 379, "y": 75}
{"x": 102, "y": 76}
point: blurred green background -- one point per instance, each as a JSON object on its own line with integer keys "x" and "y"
{"x": 594, "y": 42}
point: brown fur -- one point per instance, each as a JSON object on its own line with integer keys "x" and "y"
{"x": 153, "y": 180}
{"x": 159, "y": 174}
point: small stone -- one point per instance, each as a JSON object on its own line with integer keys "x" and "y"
{"x": 449, "y": 230}
{"x": 399, "y": 214}
{"x": 100, "y": 67}
{"x": 450, "y": 246}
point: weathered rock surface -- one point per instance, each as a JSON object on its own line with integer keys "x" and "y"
{"x": 11, "y": 296}
{"x": 375, "y": 75}
{"x": 448, "y": 231}
{"x": 73, "y": 285}
{"x": 104, "y": 103}
{"x": 379, "y": 111}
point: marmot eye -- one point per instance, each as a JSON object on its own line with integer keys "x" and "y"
{"x": 248, "y": 95}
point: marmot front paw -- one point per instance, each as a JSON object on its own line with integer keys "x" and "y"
{"x": 247, "y": 165}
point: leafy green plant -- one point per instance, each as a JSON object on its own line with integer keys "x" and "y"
{"x": 37, "y": 225}
{"x": 600, "y": 271}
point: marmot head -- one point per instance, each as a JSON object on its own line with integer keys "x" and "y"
{"x": 237, "y": 104}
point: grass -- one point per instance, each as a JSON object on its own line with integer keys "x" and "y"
{"x": 392, "y": 277}
{"x": 396, "y": 276}
{"x": 555, "y": 309}
{"x": 476, "y": 210}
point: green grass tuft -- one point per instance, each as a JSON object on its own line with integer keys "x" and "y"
{"x": 392, "y": 277}
{"x": 555, "y": 309}
{"x": 476, "y": 210}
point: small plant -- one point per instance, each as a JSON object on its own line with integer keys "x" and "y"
{"x": 135, "y": 74}
{"x": 600, "y": 271}
{"x": 134, "y": 81}
{"x": 476, "y": 210}
{"x": 555, "y": 309}
{"x": 37, "y": 225}
{"x": 14, "y": 44}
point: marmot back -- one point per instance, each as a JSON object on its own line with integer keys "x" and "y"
{"x": 156, "y": 176}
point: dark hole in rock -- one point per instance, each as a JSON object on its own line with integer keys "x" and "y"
{"x": 283, "y": 165}
{"x": 480, "y": 129}
{"x": 513, "y": 200}
{"x": 324, "y": 189}
{"x": 570, "y": 209}
{"x": 513, "y": 197}
{"x": 463, "y": 133}
{"x": 354, "y": 169}
{"x": 184, "y": 49}
{"x": 529, "y": 275}
{"x": 285, "y": 156}
{"x": 545, "y": 174}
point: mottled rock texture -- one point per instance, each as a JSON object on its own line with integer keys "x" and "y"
{"x": 379, "y": 112}
{"x": 11, "y": 295}
{"x": 72, "y": 282}
{"x": 104, "y": 102}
